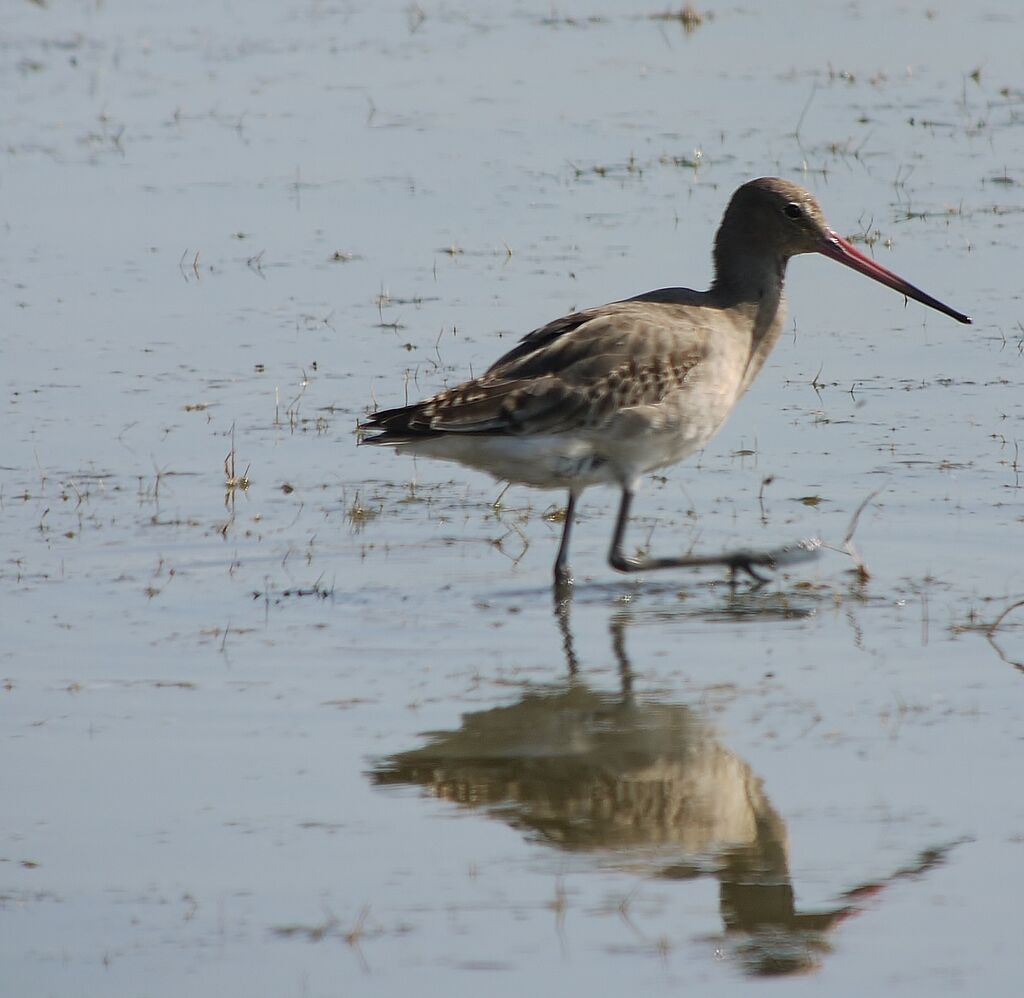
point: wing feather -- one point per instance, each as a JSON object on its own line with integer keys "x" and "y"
{"x": 573, "y": 372}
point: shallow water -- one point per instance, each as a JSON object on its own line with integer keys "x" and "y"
{"x": 312, "y": 725}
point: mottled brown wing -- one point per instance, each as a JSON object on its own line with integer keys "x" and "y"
{"x": 571, "y": 374}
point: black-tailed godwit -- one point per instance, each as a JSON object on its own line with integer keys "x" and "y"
{"x": 608, "y": 394}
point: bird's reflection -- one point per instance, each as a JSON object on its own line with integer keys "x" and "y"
{"x": 648, "y": 782}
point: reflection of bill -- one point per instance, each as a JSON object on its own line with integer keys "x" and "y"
{"x": 648, "y": 782}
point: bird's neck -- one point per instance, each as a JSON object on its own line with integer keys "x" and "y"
{"x": 747, "y": 276}
{"x": 751, "y": 283}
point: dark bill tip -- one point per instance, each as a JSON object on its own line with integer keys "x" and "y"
{"x": 841, "y": 250}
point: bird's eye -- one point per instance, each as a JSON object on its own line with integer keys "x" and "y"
{"x": 794, "y": 209}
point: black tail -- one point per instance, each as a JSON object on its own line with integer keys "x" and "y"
{"x": 395, "y": 426}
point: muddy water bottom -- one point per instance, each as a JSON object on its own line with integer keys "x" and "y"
{"x": 285, "y": 716}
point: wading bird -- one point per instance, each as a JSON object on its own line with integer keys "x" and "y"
{"x": 608, "y": 394}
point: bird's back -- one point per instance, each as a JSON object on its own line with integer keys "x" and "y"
{"x": 614, "y": 391}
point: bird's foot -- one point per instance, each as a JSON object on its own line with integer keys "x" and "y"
{"x": 747, "y": 561}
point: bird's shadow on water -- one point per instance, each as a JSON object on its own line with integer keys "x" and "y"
{"x": 642, "y": 785}
{"x": 713, "y": 601}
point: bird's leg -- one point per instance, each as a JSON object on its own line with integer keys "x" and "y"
{"x": 563, "y": 573}
{"x": 563, "y": 605}
{"x": 742, "y": 560}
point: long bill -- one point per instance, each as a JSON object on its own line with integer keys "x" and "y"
{"x": 839, "y": 249}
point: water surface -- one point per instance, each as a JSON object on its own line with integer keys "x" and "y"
{"x": 309, "y": 723}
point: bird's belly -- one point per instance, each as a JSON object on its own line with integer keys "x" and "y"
{"x": 550, "y": 461}
{"x": 635, "y": 442}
